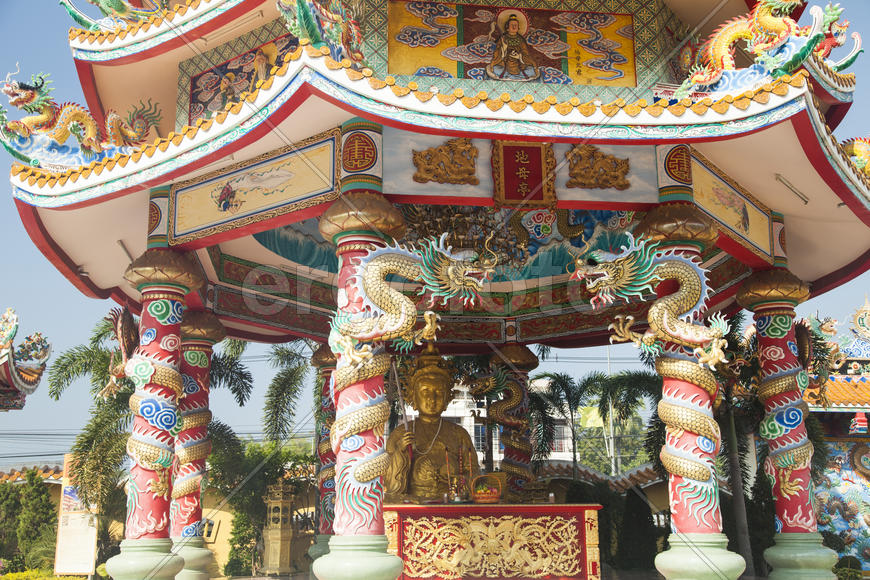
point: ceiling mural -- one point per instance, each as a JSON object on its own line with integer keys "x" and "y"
{"x": 530, "y": 244}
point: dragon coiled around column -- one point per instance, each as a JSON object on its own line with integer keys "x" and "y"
{"x": 505, "y": 411}
{"x": 636, "y": 271}
{"x": 682, "y": 347}
{"x": 58, "y": 122}
{"x": 384, "y": 313}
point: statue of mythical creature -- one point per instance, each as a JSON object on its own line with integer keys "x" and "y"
{"x": 59, "y": 121}
{"x": 387, "y": 314}
{"x": 834, "y": 31}
{"x": 127, "y": 335}
{"x": 325, "y": 23}
{"x": 682, "y": 348}
{"x": 26, "y": 361}
{"x": 766, "y": 27}
{"x": 438, "y": 448}
{"x": 117, "y": 12}
{"x": 636, "y": 270}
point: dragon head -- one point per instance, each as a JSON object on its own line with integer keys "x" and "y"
{"x": 30, "y": 97}
{"x": 609, "y": 276}
{"x": 446, "y": 274}
{"x": 783, "y": 7}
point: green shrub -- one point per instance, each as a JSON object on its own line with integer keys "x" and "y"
{"x": 37, "y": 575}
{"x": 243, "y": 544}
{"x": 848, "y": 568}
{"x": 37, "y": 512}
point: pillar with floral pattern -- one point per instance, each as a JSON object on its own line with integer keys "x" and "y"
{"x": 772, "y": 296}
{"x": 324, "y": 360}
{"x": 200, "y": 331}
{"x": 359, "y": 221}
{"x": 163, "y": 277}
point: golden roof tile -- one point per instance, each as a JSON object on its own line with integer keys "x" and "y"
{"x": 780, "y": 86}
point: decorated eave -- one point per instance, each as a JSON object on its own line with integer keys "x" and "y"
{"x": 847, "y": 388}
{"x": 21, "y": 366}
{"x": 52, "y": 474}
{"x": 768, "y": 142}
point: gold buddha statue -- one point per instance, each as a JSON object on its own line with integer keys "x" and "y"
{"x": 425, "y": 456}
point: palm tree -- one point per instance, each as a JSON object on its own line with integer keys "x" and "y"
{"x": 562, "y": 397}
{"x": 99, "y": 451}
{"x": 290, "y": 362}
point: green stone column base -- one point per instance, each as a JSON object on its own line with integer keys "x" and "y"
{"x": 152, "y": 559}
{"x": 800, "y": 555}
{"x": 698, "y": 557}
{"x": 319, "y": 548}
{"x": 196, "y": 558}
{"x": 357, "y": 558}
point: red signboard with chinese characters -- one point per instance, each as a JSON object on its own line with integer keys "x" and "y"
{"x": 524, "y": 174}
{"x": 471, "y": 541}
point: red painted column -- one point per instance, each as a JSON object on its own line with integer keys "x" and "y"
{"x": 324, "y": 360}
{"x": 772, "y": 296}
{"x": 163, "y": 277}
{"x": 200, "y": 331}
{"x": 360, "y": 220}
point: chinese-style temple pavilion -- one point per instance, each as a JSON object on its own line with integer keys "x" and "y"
{"x": 494, "y": 174}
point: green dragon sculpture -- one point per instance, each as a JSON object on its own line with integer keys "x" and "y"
{"x": 634, "y": 273}
{"x": 116, "y": 11}
{"x": 325, "y": 23}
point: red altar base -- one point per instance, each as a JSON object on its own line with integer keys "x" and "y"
{"x": 452, "y": 541}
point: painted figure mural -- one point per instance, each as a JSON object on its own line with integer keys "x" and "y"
{"x": 513, "y": 58}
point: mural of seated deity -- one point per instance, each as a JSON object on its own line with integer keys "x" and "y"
{"x": 512, "y": 59}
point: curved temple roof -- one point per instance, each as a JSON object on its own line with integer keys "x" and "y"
{"x": 766, "y": 136}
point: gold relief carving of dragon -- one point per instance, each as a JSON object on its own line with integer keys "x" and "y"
{"x": 492, "y": 547}
{"x": 634, "y": 273}
{"x": 591, "y": 168}
{"x": 453, "y": 162}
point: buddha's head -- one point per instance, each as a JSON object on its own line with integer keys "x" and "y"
{"x": 430, "y": 387}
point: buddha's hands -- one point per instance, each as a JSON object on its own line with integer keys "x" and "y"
{"x": 408, "y": 438}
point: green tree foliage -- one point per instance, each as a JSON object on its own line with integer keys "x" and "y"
{"x": 636, "y": 548}
{"x": 628, "y": 434}
{"x": 243, "y": 546}
{"x": 241, "y": 473}
{"x": 10, "y": 507}
{"x": 37, "y": 512}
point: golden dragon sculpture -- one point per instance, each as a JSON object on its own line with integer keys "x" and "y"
{"x": 766, "y": 27}
{"x": 61, "y": 121}
{"x": 385, "y": 314}
{"x": 683, "y": 348}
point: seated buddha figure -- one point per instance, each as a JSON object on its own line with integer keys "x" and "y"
{"x": 425, "y": 456}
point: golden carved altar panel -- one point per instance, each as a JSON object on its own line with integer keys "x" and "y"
{"x": 495, "y": 541}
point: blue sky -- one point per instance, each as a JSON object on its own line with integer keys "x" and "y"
{"x": 34, "y": 33}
